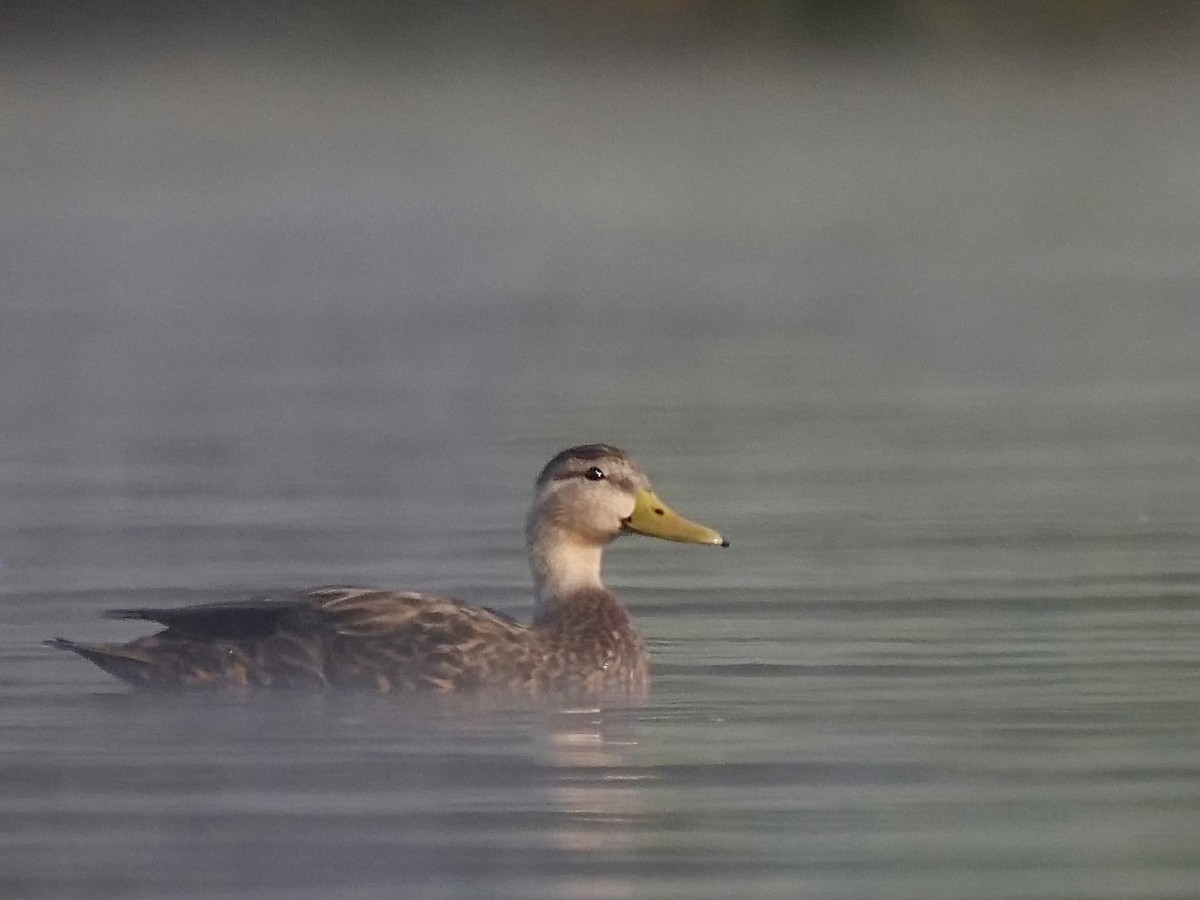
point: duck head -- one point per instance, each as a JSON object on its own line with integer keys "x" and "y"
{"x": 595, "y": 492}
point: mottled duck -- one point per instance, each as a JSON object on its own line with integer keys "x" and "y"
{"x": 582, "y": 639}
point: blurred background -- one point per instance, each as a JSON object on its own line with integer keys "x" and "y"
{"x": 949, "y": 25}
{"x": 900, "y": 295}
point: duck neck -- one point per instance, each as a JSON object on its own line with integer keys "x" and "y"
{"x": 562, "y": 568}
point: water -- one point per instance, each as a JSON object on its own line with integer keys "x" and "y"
{"x": 920, "y": 343}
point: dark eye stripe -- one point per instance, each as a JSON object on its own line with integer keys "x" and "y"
{"x": 619, "y": 480}
{"x": 569, "y": 476}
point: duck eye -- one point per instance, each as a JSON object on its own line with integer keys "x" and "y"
{"x": 594, "y": 474}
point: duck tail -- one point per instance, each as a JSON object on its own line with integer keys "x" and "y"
{"x": 116, "y": 659}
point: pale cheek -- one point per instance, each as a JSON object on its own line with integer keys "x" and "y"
{"x": 605, "y": 521}
{"x": 603, "y": 524}
{"x": 615, "y": 520}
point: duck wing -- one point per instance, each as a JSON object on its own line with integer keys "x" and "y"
{"x": 400, "y": 640}
{"x": 230, "y": 620}
{"x": 327, "y": 637}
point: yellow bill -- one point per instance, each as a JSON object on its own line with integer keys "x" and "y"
{"x": 653, "y": 517}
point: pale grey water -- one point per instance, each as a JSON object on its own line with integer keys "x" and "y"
{"x": 922, "y": 343}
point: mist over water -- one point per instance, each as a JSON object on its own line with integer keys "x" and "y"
{"x": 917, "y": 333}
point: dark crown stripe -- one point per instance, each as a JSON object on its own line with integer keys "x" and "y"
{"x": 584, "y": 453}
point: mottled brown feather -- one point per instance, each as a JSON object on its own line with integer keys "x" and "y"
{"x": 387, "y": 641}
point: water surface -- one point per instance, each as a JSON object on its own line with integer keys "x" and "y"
{"x": 922, "y": 345}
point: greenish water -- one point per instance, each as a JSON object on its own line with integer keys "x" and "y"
{"x": 922, "y": 344}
